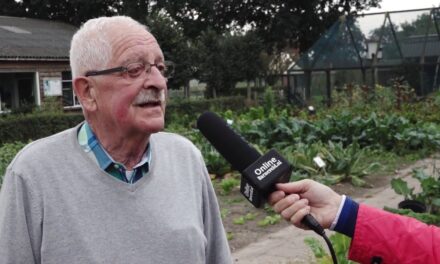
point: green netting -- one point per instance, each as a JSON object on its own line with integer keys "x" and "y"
{"x": 338, "y": 48}
{"x": 373, "y": 49}
{"x": 401, "y": 37}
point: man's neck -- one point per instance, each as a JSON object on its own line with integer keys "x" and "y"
{"x": 124, "y": 149}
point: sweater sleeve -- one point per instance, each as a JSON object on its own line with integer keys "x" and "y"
{"x": 20, "y": 221}
{"x": 217, "y": 248}
{"x": 393, "y": 238}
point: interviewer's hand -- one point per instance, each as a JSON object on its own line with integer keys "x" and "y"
{"x": 294, "y": 200}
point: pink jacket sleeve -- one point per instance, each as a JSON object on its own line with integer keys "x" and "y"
{"x": 393, "y": 238}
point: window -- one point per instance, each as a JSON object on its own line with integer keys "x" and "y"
{"x": 69, "y": 97}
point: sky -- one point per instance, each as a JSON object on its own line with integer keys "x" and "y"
{"x": 395, "y": 5}
{"x": 371, "y": 22}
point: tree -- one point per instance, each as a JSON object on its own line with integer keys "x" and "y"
{"x": 250, "y": 58}
{"x": 213, "y": 64}
{"x": 176, "y": 47}
{"x": 76, "y": 12}
{"x": 73, "y": 12}
{"x": 423, "y": 24}
{"x": 279, "y": 23}
{"x": 228, "y": 59}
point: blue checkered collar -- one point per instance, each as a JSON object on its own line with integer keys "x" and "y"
{"x": 89, "y": 142}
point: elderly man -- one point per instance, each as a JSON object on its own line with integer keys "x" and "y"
{"x": 113, "y": 189}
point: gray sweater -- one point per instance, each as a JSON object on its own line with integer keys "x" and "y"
{"x": 57, "y": 206}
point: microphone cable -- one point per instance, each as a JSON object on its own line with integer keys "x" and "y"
{"x": 311, "y": 223}
{"x": 330, "y": 247}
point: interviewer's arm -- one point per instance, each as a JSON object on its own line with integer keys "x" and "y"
{"x": 376, "y": 234}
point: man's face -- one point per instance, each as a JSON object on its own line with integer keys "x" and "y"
{"x": 132, "y": 105}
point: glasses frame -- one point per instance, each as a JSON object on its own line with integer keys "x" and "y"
{"x": 124, "y": 69}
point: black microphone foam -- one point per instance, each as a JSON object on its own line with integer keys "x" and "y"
{"x": 229, "y": 144}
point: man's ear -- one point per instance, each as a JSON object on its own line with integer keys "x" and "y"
{"x": 85, "y": 91}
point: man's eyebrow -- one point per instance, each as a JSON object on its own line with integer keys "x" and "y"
{"x": 141, "y": 58}
{"x": 130, "y": 60}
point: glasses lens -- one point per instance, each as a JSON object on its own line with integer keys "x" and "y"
{"x": 135, "y": 69}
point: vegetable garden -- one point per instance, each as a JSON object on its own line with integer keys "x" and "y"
{"x": 359, "y": 140}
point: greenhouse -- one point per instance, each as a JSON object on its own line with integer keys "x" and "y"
{"x": 369, "y": 50}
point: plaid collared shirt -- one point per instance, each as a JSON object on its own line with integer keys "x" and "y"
{"x": 93, "y": 148}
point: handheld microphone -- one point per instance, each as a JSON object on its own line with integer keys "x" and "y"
{"x": 259, "y": 172}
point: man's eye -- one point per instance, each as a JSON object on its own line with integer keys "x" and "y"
{"x": 161, "y": 67}
{"x": 135, "y": 70}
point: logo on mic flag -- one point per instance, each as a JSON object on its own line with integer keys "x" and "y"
{"x": 264, "y": 173}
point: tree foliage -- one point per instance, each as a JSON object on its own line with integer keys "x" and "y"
{"x": 423, "y": 24}
{"x": 279, "y": 23}
{"x": 73, "y": 12}
{"x": 228, "y": 59}
{"x": 76, "y": 12}
{"x": 175, "y": 46}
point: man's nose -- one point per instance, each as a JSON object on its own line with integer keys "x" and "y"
{"x": 155, "y": 78}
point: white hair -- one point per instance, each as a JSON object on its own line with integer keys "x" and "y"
{"x": 91, "y": 47}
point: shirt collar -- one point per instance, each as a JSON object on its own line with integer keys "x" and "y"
{"x": 89, "y": 142}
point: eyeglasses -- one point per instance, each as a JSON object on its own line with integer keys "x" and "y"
{"x": 134, "y": 70}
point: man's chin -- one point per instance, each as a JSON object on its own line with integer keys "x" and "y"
{"x": 154, "y": 125}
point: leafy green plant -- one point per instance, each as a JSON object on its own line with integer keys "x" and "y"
{"x": 224, "y": 212}
{"x": 243, "y": 219}
{"x": 345, "y": 162}
{"x": 430, "y": 189}
{"x": 51, "y": 104}
{"x": 228, "y": 184}
{"x": 7, "y": 153}
{"x": 351, "y": 130}
{"x": 250, "y": 216}
{"x": 342, "y": 163}
{"x": 301, "y": 157}
{"x": 269, "y": 100}
{"x": 239, "y": 221}
{"x": 341, "y": 245}
{"x": 270, "y": 220}
{"x": 401, "y": 187}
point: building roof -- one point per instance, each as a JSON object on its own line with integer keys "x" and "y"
{"x": 34, "y": 39}
{"x": 414, "y": 46}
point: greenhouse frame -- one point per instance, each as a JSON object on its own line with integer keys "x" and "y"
{"x": 367, "y": 50}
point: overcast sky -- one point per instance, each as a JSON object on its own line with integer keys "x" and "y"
{"x": 371, "y": 22}
{"x": 395, "y": 5}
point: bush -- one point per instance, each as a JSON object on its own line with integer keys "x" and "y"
{"x": 191, "y": 108}
{"x": 7, "y": 153}
{"x": 30, "y": 127}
